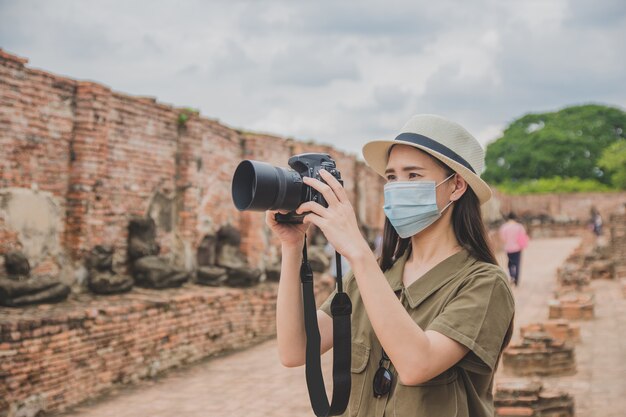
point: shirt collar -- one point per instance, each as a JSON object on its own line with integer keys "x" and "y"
{"x": 431, "y": 281}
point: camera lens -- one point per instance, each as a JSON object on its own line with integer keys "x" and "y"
{"x": 260, "y": 186}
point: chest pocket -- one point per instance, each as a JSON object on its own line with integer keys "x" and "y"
{"x": 441, "y": 397}
{"x": 360, "y": 357}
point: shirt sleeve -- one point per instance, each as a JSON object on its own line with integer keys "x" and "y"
{"x": 478, "y": 317}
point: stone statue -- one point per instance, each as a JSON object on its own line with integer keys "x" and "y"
{"x": 272, "y": 272}
{"x": 207, "y": 251}
{"x": 20, "y": 289}
{"x": 229, "y": 256}
{"x": 318, "y": 259}
{"x": 142, "y": 238}
{"x": 208, "y": 273}
{"x": 220, "y": 261}
{"x": 150, "y": 270}
{"x": 101, "y": 278}
{"x": 155, "y": 272}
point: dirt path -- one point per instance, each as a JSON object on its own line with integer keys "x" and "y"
{"x": 253, "y": 383}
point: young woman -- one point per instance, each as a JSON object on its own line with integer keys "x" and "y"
{"x": 431, "y": 316}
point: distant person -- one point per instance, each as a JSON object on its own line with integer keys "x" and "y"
{"x": 596, "y": 222}
{"x": 515, "y": 239}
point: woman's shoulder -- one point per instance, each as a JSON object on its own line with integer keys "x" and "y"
{"x": 486, "y": 274}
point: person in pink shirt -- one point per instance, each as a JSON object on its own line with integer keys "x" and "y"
{"x": 515, "y": 239}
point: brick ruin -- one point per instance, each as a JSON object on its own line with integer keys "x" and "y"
{"x": 541, "y": 355}
{"x": 618, "y": 245}
{"x": 561, "y": 330}
{"x": 572, "y": 307}
{"x": 85, "y": 159}
{"x": 522, "y": 398}
{"x": 547, "y": 348}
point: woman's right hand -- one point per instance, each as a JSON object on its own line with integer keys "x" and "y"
{"x": 289, "y": 234}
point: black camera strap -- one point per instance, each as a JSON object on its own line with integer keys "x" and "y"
{"x": 341, "y": 309}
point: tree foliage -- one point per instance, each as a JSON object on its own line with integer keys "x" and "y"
{"x": 613, "y": 161}
{"x": 552, "y": 185}
{"x": 566, "y": 144}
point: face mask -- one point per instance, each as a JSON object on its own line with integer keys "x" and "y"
{"x": 411, "y": 206}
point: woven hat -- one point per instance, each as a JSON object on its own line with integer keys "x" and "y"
{"x": 445, "y": 140}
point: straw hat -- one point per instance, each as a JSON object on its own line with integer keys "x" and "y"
{"x": 445, "y": 140}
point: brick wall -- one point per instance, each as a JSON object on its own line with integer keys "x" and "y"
{"x": 98, "y": 157}
{"x": 105, "y": 156}
{"x": 572, "y": 207}
{"x": 36, "y": 127}
{"x": 66, "y": 353}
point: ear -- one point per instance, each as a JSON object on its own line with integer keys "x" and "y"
{"x": 460, "y": 186}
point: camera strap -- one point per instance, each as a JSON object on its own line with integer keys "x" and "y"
{"x": 341, "y": 309}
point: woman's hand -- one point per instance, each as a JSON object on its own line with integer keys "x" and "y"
{"x": 337, "y": 221}
{"x": 289, "y": 234}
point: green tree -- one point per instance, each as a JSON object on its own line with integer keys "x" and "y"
{"x": 567, "y": 144}
{"x": 613, "y": 160}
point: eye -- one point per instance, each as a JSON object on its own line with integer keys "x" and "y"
{"x": 391, "y": 177}
{"x": 414, "y": 175}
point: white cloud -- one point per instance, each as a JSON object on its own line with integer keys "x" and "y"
{"x": 338, "y": 72}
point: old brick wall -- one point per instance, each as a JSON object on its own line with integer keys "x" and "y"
{"x": 63, "y": 354}
{"x": 572, "y": 207}
{"x": 106, "y": 156}
{"x": 36, "y": 125}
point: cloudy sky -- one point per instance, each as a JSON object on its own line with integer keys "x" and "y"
{"x": 340, "y": 72}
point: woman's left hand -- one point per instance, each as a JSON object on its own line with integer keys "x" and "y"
{"x": 338, "y": 220}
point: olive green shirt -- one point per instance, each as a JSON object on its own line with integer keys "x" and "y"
{"x": 464, "y": 299}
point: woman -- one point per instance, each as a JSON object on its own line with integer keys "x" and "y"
{"x": 514, "y": 239}
{"x": 435, "y": 310}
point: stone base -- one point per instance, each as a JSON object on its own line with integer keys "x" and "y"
{"x": 212, "y": 276}
{"x": 561, "y": 330}
{"x": 37, "y": 290}
{"x": 572, "y": 307}
{"x": 155, "y": 272}
{"x": 528, "y": 399}
{"x": 539, "y": 354}
{"x": 106, "y": 283}
{"x": 243, "y": 277}
{"x": 571, "y": 274}
{"x": 602, "y": 269}
{"x": 272, "y": 273}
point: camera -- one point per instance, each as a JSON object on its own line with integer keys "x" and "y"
{"x": 260, "y": 186}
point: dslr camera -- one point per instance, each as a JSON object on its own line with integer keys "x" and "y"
{"x": 260, "y": 186}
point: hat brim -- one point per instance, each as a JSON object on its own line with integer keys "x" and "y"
{"x": 376, "y": 153}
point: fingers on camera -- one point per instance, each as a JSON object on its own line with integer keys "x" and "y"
{"x": 334, "y": 184}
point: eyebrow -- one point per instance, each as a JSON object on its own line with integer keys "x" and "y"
{"x": 409, "y": 168}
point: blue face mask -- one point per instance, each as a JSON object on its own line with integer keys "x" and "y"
{"x": 411, "y": 206}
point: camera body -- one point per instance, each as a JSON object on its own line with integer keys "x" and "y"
{"x": 260, "y": 186}
{"x": 309, "y": 165}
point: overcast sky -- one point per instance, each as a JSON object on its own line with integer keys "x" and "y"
{"x": 340, "y": 72}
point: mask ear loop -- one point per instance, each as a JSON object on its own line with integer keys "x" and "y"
{"x": 451, "y": 175}
{"x": 451, "y": 201}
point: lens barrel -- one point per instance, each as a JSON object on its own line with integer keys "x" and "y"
{"x": 260, "y": 186}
